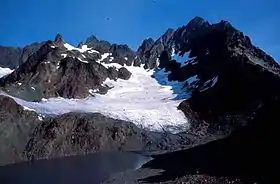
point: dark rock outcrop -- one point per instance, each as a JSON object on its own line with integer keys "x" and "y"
{"x": 9, "y": 57}
{"x": 124, "y": 73}
{"x": 16, "y": 124}
{"x": 228, "y": 77}
{"x": 235, "y": 77}
{"x": 55, "y": 71}
{"x": 248, "y": 155}
{"x": 120, "y": 53}
{"x": 12, "y": 57}
{"x": 150, "y": 51}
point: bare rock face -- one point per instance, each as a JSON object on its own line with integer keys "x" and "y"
{"x": 83, "y": 133}
{"x": 16, "y": 124}
{"x": 124, "y": 73}
{"x": 227, "y": 77}
{"x": 55, "y": 71}
{"x": 12, "y": 57}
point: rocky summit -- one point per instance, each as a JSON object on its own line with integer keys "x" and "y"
{"x": 201, "y": 100}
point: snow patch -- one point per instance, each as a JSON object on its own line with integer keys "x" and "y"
{"x": 141, "y": 100}
{"x": 28, "y": 109}
{"x": 103, "y": 56}
{"x": 40, "y": 118}
{"x": 181, "y": 59}
{"x": 111, "y": 59}
{"x": 93, "y": 51}
{"x": 64, "y": 55}
{"x": 107, "y": 65}
{"x": 82, "y": 50}
{"x": 174, "y": 86}
{"x": 32, "y": 88}
{"x": 52, "y": 46}
{"x": 126, "y": 58}
{"x": 19, "y": 83}
{"x": 92, "y": 91}
{"x": 83, "y": 61}
{"x": 5, "y": 71}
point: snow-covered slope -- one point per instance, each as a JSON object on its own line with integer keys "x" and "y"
{"x": 5, "y": 71}
{"x": 141, "y": 100}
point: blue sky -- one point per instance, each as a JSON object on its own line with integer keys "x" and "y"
{"x": 131, "y": 21}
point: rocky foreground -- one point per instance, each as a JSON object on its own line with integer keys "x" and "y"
{"x": 232, "y": 106}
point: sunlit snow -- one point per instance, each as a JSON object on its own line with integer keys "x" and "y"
{"x": 64, "y": 55}
{"x": 82, "y": 50}
{"x": 83, "y": 61}
{"x": 141, "y": 100}
{"x": 93, "y": 51}
{"x": 5, "y": 71}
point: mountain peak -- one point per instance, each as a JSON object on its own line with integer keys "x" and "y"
{"x": 58, "y": 38}
{"x": 146, "y": 45}
{"x": 197, "y": 22}
{"x": 91, "y": 39}
{"x": 80, "y": 44}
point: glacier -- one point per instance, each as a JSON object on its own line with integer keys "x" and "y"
{"x": 141, "y": 100}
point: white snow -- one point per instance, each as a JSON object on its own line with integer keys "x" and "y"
{"x": 84, "y": 48}
{"x": 19, "y": 83}
{"x": 33, "y": 88}
{"x": 157, "y": 62}
{"x": 27, "y": 108}
{"x": 126, "y": 58}
{"x": 5, "y": 71}
{"x": 93, "y": 51}
{"x": 107, "y": 65}
{"x": 141, "y": 100}
{"x": 64, "y": 55}
{"x": 52, "y": 46}
{"x": 83, "y": 61}
{"x": 111, "y": 59}
{"x": 92, "y": 91}
{"x": 40, "y": 118}
{"x": 173, "y": 51}
{"x": 104, "y": 56}
{"x": 83, "y": 56}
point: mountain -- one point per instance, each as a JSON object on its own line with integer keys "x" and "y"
{"x": 49, "y": 71}
{"x": 12, "y": 57}
{"x": 228, "y": 77}
{"x": 203, "y": 85}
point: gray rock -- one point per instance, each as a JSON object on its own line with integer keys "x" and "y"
{"x": 50, "y": 74}
{"x": 12, "y": 57}
{"x": 124, "y": 73}
{"x": 16, "y": 124}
